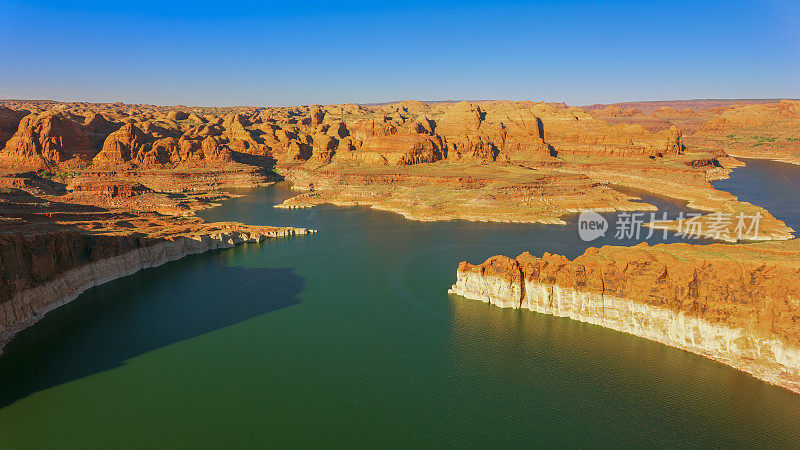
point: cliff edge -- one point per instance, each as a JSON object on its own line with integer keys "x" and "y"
{"x": 736, "y": 304}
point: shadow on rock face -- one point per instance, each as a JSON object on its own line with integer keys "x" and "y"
{"x": 151, "y": 309}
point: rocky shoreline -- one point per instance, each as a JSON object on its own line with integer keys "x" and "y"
{"x": 739, "y": 316}
{"x": 92, "y": 192}
{"x": 25, "y": 307}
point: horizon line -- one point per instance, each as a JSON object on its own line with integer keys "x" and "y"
{"x": 392, "y": 102}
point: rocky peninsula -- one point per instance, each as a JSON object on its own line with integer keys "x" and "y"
{"x": 737, "y": 304}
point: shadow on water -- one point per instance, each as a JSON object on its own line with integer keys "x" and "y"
{"x": 148, "y": 310}
{"x": 377, "y": 351}
{"x": 154, "y": 308}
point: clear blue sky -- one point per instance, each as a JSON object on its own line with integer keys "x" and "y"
{"x": 301, "y": 52}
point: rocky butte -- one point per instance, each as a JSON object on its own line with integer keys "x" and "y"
{"x": 90, "y": 192}
{"x": 88, "y": 195}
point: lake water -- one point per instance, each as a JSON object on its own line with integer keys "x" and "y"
{"x": 348, "y": 337}
{"x": 772, "y": 185}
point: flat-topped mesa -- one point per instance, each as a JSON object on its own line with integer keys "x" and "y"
{"x": 110, "y": 189}
{"x": 614, "y": 111}
{"x": 497, "y": 131}
{"x": 765, "y": 131}
{"x": 649, "y": 107}
{"x": 737, "y": 304}
{"x": 508, "y": 193}
{"x": 786, "y": 113}
{"x": 574, "y": 132}
{"x": 386, "y": 140}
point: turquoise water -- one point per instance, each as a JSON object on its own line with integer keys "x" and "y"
{"x": 348, "y": 337}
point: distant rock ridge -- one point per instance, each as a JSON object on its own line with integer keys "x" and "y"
{"x": 648, "y": 107}
{"x": 405, "y": 133}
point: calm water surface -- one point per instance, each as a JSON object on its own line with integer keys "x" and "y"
{"x": 348, "y": 337}
{"x": 773, "y": 185}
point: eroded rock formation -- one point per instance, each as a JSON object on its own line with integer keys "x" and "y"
{"x": 47, "y": 270}
{"x": 55, "y": 243}
{"x": 135, "y": 136}
{"x": 739, "y": 304}
{"x": 43, "y": 140}
{"x": 90, "y": 176}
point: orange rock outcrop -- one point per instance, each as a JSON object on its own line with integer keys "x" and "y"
{"x": 767, "y": 129}
{"x": 57, "y": 242}
{"x": 93, "y": 191}
{"x": 403, "y": 134}
{"x": 46, "y": 139}
{"x": 737, "y": 304}
{"x": 338, "y": 148}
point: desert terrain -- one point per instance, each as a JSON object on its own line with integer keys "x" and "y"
{"x": 92, "y": 191}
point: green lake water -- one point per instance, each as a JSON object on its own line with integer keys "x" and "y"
{"x": 349, "y": 338}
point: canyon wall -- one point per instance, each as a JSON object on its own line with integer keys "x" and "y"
{"x": 40, "y": 273}
{"x": 107, "y": 172}
{"x": 764, "y": 129}
{"x": 113, "y": 138}
{"x": 741, "y": 312}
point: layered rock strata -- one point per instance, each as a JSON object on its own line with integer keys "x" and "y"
{"x": 739, "y": 305}
{"x": 144, "y": 137}
{"x": 502, "y": 161}
{"x": 45, "y": 271}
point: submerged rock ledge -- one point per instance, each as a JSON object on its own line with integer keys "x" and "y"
{"x": 741, "y": 313}
{"x": 67, "y": 264}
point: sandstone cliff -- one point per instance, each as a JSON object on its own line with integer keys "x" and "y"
{"x": 785, "y": 114}
{"x": 147, "y": 137}
{"x": 46, "y": 139}
{"x": 766, "y": 131}
{"x": 44, "y": 271}
{"x": 9, "y": 122}
{"x": 648, "y": 107}
{"x": 737, "y": 304}
{"x": 57, "y": 242}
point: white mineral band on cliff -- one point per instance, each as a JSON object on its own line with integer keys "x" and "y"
{"x": 28, "y": 306}
{"x": 767, "y": 359}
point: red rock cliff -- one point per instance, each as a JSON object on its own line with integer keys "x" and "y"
{"x": 738, "y": 304}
